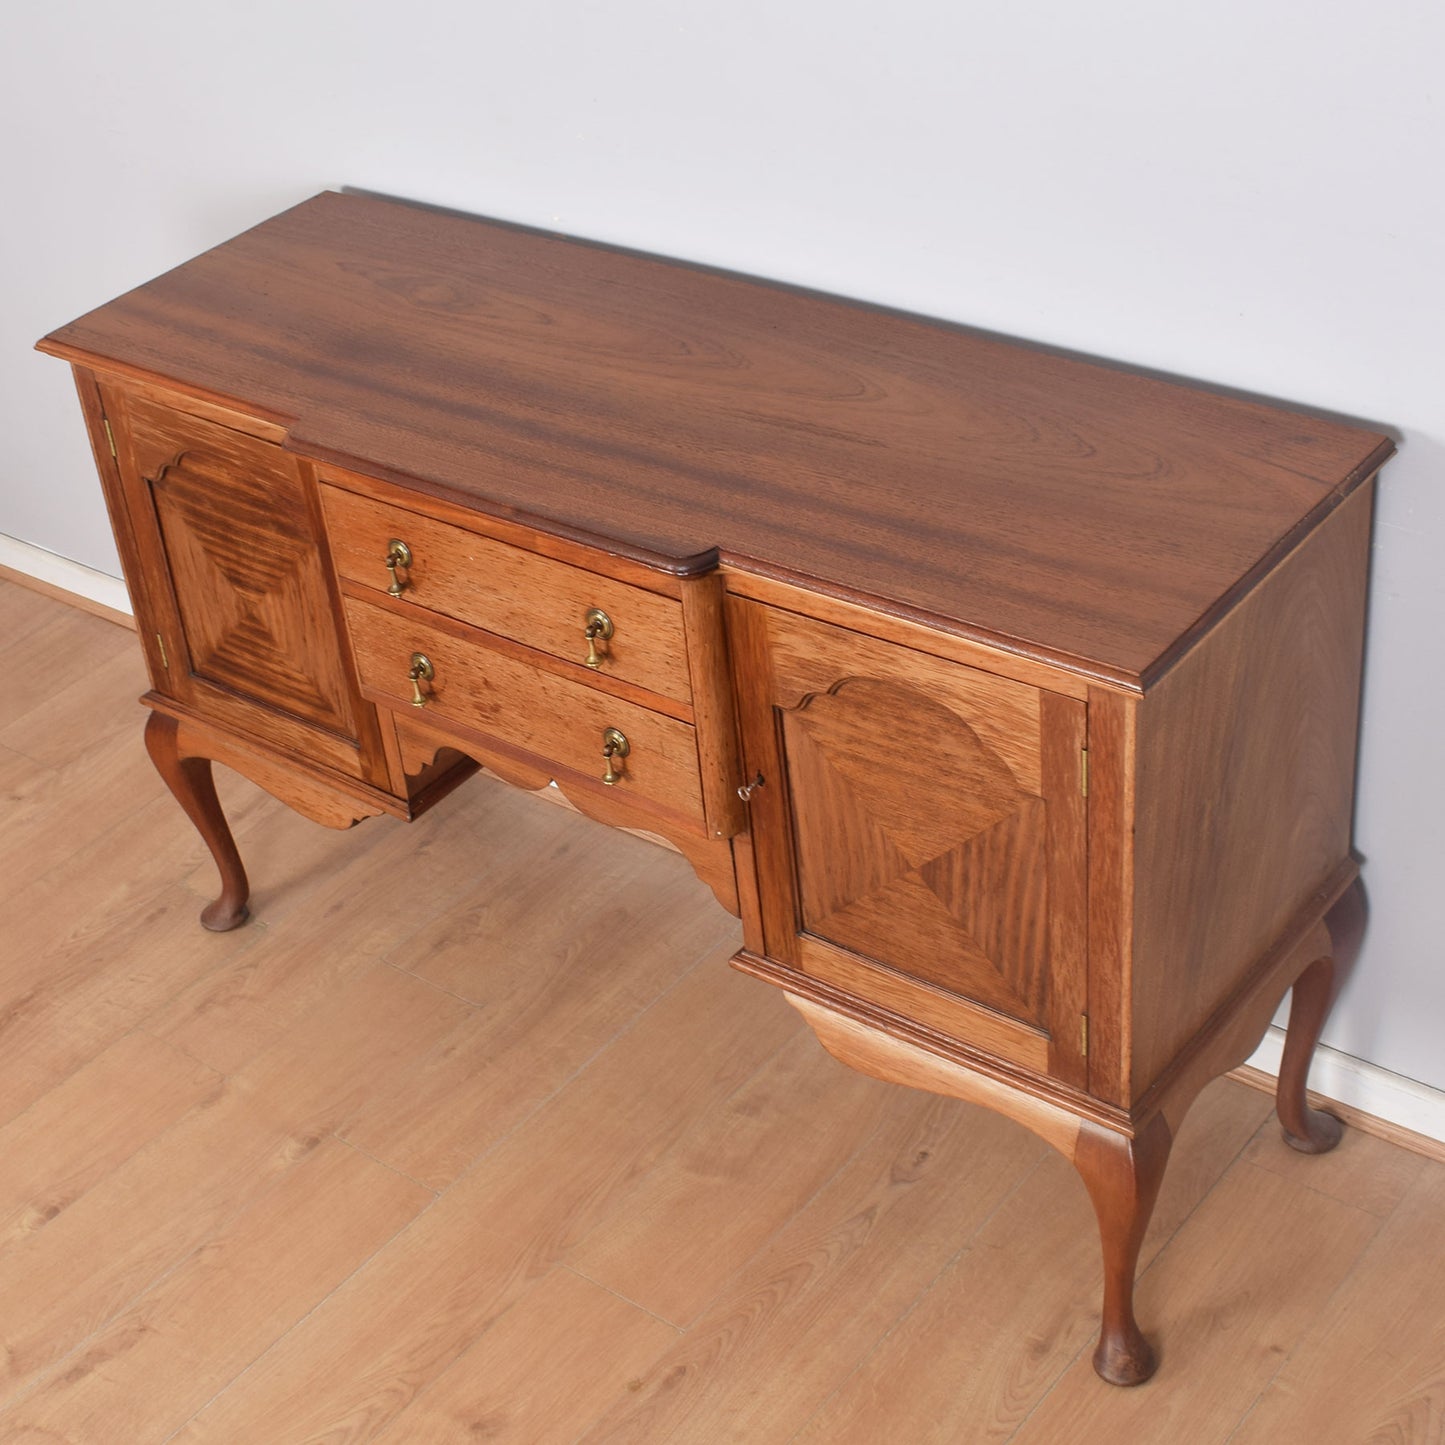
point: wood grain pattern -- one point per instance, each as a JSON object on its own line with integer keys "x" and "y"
{"x": 1122, "y": 1176}
{"x": 1245, "y": 753}
{"x": 92, "y": 674}
{"x": 146, "y": 601}
{"x": 89, "y": 1124}
{"x": 795, "y": 1123}
{"x": 1111, "y": 808}
{"x": 806, "y": 657}
{"x": 871, "y": 1051}
{"x": 714, "y": 706}
{"x": 240, "y": 554}
{"x": 557, "y": 895}
{"x": 528, "y": 598}
{"x": 564, "y": 1353}
{"x": 1074, "y": 509}
{"x": 211, "y": 1316}
{"x": 58, "y": 1008}
{"x": 924, "y": 849}
{"x": 113, "y": 1241}
{"x": 226, "y": 570}
{"x": 877, "y": 620}
{"x": 532, "y": 539}
{"x": 711, "y": 858}
{"x": 1364, "y": 1171}
{"x": 774, "y": 1344}
{"x": 1369, "y": 1367}
{"x": 556, "y": 720}
{"x": 234, "y": 419}
{"x": 314, "y": 797}
{"x": 509, "y": 1218}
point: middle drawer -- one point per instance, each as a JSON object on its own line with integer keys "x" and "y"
{"x": 520, "y": 595}
{"x": 561, "y": 723}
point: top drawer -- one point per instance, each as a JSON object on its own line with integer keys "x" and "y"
{"x": 519, "y": 595}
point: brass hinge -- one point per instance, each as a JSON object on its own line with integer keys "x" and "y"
{"x": 109, "y": 435}
{"x": 1084, "y": 771}
{"x": 161, "y": 643}
{"x": 1084, "y": 1035}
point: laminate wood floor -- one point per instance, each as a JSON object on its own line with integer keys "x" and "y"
{"x": 471, "y": 1134}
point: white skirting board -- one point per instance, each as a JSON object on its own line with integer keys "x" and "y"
{"x": 58, "y": 571}
{"x": 1361, "y": 1085}
{"x": 1364, "y": 1086}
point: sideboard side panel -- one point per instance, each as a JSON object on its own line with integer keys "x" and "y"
{"x": 139, "y": 584}
{"x": 1244, "y": 798}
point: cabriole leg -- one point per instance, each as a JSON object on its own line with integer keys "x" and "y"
{"x": 189, "y": 779}
{"x": 1312, "y": 1131}
{"x": 1122, "y": 1176}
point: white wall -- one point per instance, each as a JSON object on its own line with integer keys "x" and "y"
{"x": 1250, "y": 192}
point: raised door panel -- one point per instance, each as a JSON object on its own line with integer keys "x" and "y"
{"x": 927, "y": 845}
{"x": 247, "y": 614}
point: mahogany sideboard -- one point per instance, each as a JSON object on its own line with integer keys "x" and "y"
{"x": 1010, "y": 700}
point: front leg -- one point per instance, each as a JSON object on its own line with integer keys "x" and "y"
{"x": 1122, "y": 1175}
{"x": 190, "y": 781}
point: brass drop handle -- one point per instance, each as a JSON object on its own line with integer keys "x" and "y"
{"x": 597, "y": 625}
{"x": 421, "y": 671}
{"x": 615, "y": 747}
{"x": 398, "y": 554}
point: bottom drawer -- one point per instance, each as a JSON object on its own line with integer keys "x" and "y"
{"x": 477, "y": 688}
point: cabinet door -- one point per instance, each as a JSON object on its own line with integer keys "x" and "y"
{"x": 226, "y": 529}
{"x": 919, "y": 835}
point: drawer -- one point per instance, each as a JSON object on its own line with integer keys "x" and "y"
{"x": 478, "y": 688}
{"x": 519, "y": 595}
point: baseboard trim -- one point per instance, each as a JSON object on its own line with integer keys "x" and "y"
{"x": 1370, "y": 1098}
{"x": 47, "y": 572}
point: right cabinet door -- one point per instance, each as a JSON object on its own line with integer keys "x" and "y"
{"x": 920, "y": 835}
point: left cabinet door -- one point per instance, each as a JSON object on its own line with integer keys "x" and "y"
{"x": 227, "y": 530}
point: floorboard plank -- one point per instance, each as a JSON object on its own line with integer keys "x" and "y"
{"x": 792, "y": 1324}
{"x": 671, "y": 1241}
{"x": 363, "y": 1355}
{"x": 133, "y": 1227}
{"x": 552, "y": 984}
{"x": 1372, "y": 1367}
{"x": 143, "y": 1375}
{"x": 558, "y": 1358}
{"x": 89, "y": 1124}
{"x": 92, "y": 949}
{"x": 1361, "y": 1169}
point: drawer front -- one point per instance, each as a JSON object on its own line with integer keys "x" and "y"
{"x": 519, "y": 595}
{"x": 480, "y": 689}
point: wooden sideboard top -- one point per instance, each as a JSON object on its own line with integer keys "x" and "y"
{"x": 1068, "y": 510}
